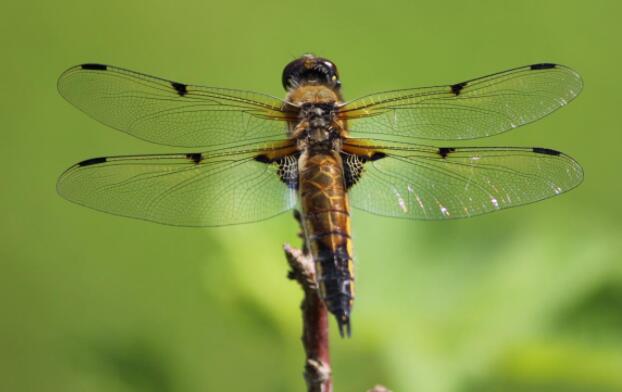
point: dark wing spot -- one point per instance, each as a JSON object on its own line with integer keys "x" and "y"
{"x": 542, "y": 66}
{"x": 195, "y": 157}
{"x": 181, "y": 88}
{"x": 92, "y": 161}
{"x": 444, "y": 151}
{"x": 377, "y": 155}
{"x": 546, "y": 151}
{"x": 94, "y": 67}
{"x": 263, "y": 159}
{"x": 456, "y": 88}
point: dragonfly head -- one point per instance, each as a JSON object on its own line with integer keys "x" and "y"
{"x": 309, "y": 69}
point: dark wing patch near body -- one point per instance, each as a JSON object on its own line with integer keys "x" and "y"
{"x": 92, "y": 161}
{"x": 263, "y": 159}
{"x": 94, "y": 67}
{"x": 287, "y": 168}
{"x": 377, "y": 155}
{"x": 547, "y": 151}
{"x": 542, "y": 66}
{"x": 353, "y": 168}
{"x": 444, "y": 151}
{"x": 353, "y": 165}
{"x": 182, "y": 89}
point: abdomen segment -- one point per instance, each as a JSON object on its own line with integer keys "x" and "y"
{"x": 326, "y": 219}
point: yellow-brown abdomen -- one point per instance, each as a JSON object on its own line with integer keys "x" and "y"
{"x": 326, "y": 217}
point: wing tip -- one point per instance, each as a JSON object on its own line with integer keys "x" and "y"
{"x": 561, "y": 67}
{"x": 86, "y": 67}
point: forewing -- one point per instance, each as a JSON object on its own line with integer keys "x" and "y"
{"x": 476, "y": 108}
{"x": 197, "y": 189}
{"x": 418, "y": 182}
{"x": 171, "y": 113}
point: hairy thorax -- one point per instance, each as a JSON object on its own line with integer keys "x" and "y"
{"x": 318, "y": 126}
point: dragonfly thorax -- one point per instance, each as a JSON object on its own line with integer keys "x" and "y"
{"x": 317, "y": 125}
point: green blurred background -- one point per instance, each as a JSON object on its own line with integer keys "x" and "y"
{"x": 528, "y": 299}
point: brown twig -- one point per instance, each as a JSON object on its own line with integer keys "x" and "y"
{"x": 314, "y": 323}
{"x": 318, "y": 375}
{"x": 314, "y": 319}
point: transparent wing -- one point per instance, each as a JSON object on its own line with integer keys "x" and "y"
{"x": 172, "y": 113}
{"x": 476, "y": 108}
{"x": 198, "y": 189}
{"x": 418, "y": 182}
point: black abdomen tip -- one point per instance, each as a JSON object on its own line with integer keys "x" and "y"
{"x": 343, "y": 321}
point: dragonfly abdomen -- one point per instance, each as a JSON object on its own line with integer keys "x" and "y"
{"x": 326, "y": 217}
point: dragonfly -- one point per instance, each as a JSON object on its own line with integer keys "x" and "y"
{"x": 254, "y": 156}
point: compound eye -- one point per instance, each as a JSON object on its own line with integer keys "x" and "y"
{"x": 330, "y": 66}
{"x": 292, "y": 72}
{"x": 309, "y": 69}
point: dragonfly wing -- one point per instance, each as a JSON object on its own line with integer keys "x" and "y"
{"x": 472, "y": 109}
{"x": 196, "y": 189}
{"x": 172, "y": 113}
{"x": 419, "y": 182}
